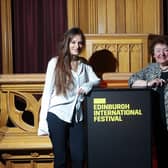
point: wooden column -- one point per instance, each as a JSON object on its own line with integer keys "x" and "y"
{"x": 6, "y": 27}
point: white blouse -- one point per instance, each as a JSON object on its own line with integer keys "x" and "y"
{"x": 60, "y": 105}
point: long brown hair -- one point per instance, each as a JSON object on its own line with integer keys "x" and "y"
{"x": 63, "y": 75}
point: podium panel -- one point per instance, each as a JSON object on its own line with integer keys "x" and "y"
{"x": 119, "y": 128}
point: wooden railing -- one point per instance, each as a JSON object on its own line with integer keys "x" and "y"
{"x": 115, "y": 80}
{"x": 20, "y": 97}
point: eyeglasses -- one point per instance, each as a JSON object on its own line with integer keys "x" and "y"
{"x": 159, "y": 50}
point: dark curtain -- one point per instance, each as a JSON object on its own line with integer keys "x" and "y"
{"x": 37, "y": 29}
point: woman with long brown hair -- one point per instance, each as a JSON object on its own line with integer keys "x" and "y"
{"x": 68, "y": 80}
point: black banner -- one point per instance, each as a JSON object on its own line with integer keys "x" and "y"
{"x": 119, "y": 128}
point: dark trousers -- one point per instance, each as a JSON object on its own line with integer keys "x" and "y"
{"x": 62, "y": 134}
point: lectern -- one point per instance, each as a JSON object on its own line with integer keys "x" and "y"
{"x": 119, "y": 128}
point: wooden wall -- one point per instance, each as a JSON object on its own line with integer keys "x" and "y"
{"x": 121, "y": 52}
{"x": 116, "y": 16}
{"x": 6, "y": 36}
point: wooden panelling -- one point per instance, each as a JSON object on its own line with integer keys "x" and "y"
{"x": 111, "y": 16}
{"x": 117, "y": 16}
{"x": 33, "y": 160}
{"x": 129, "y": 50}
{"x": 92, "y": 17}
{"x": 102, "y": 15}
{"x": 131, "y": 16}
{"x": 83, "y": 14}
{"x": 6, "y": 34}
{"x": 120, "y": 16}
{"x": 73, "y": 12}
{"x": 152, "y": 23}
{"x": 139, "y": 14}
{"x": 20, "y": 97}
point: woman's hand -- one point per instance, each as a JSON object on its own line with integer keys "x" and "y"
{"x": 156, "y": 83}
{"x": 81, "y": 91}
{"x": 152, "y": 83}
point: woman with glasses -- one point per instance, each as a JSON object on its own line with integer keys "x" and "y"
{"x": 155, "y": 76}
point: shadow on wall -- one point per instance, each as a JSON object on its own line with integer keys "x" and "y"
{"x": 103, "y": 61}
